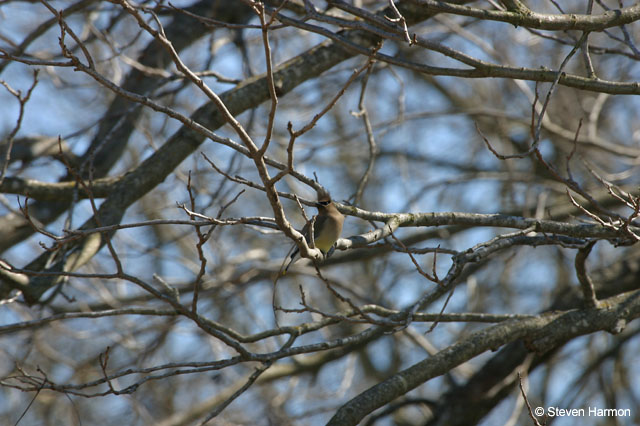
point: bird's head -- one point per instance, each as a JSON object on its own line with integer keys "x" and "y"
{"x": 324, "y": 199}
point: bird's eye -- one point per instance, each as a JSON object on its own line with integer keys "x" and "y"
{"x": 324, "y": 203}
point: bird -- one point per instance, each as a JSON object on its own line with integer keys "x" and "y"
{"x": 326, "y": 229}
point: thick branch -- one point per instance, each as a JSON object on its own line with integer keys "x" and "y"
{"x": 556, "y": 328}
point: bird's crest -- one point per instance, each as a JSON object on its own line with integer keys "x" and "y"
{"x": 324, "y": 197}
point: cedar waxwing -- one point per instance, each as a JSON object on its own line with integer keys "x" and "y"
{"x": 326, "y": 229}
